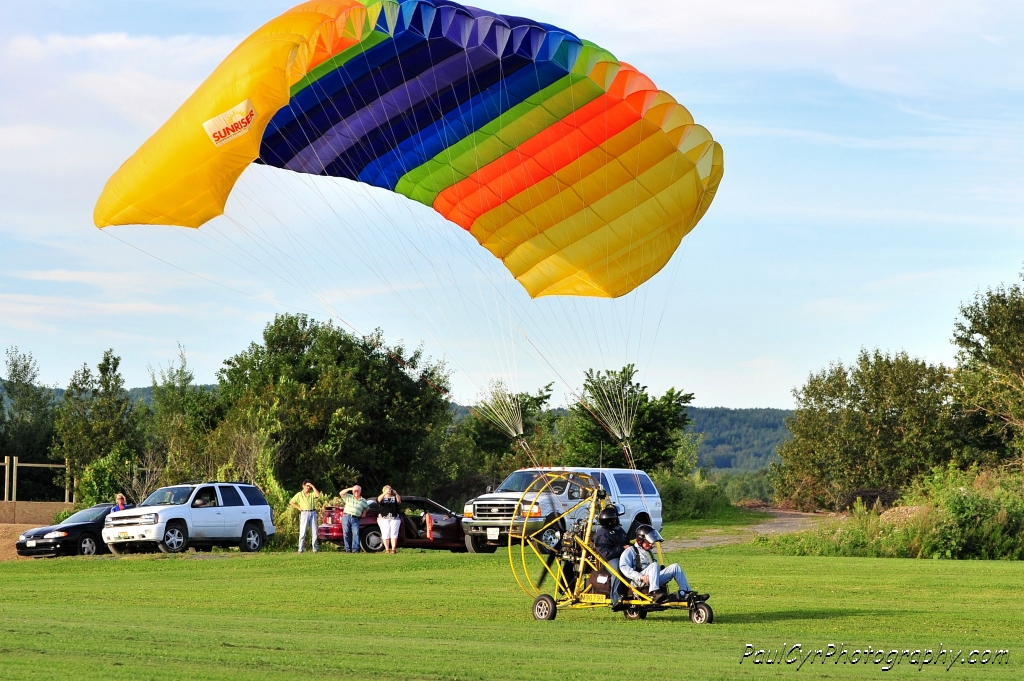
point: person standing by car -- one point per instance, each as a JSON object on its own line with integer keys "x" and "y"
{"x": 355, "y": 507}
{"x": 305, "y": 502}
{"x": 119, "y": 503}
{"x": 389, "y": 518}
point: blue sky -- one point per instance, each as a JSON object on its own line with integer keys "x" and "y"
{"x": 873, "y": 182}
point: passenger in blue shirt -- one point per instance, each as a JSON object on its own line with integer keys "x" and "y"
{"x": 638, "y": 566}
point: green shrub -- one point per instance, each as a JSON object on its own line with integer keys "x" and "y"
{"x": 62, "y": 516}
{"x": 689, "y": 497}
{"x": 948, "y": 513}
{"x": 102, "y": 479}
{"x": 742, "y": 486}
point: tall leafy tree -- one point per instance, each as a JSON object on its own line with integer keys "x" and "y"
{"x": 874, "y": 425}
{"x": 183, "y": 416}
{"x": 990, "y": 361}
{"x": 341, "y": 407}
{"x": 98, "y": 428}
{"x": 26, "y": 424}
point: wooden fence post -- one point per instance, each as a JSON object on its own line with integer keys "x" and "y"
{"x": 14, "y": 481}
{"x": 7, "y": 477}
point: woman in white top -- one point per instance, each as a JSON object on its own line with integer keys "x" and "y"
{"x": 389, "y": 518}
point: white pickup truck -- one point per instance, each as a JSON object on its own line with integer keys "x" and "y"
{"x": 198, "y": 515}
{"x": 487, "y": 518}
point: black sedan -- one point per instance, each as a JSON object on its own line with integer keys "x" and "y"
{"x": 78, "y": 535}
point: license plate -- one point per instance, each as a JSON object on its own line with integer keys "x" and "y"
{"x": 492, "y": 533}
{"x": 30, "y": 543}
{"x": 122, "y": 535}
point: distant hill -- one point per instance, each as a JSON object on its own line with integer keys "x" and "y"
{"x": 739, "y": 439}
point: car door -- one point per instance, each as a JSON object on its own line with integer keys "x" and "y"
{"x": 233, "y": 511}
{"x": 414, "y": 523}
{"x": 207, "y": 519}
{"x": 446, "y": 525}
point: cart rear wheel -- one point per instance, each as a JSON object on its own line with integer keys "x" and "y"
{"x": 544, "y": 608}
{"x": 702, "y": 613}
{"x": 634, "y": 613}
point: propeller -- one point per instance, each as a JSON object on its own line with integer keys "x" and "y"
{"x": 552, "y": 557}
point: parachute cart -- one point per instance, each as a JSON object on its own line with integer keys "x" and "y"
{"x": 557, "y": 547}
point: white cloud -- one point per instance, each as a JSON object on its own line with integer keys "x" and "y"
{"x": 912, "y": 46}
{"x": 139, "y": 97}
{"x": 31, "y": 306}
{"x": 28, "y": 136}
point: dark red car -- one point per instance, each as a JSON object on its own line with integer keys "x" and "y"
{"x": 418, "y": 515}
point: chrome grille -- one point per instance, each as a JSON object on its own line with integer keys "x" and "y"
{"x": 494, "y": 511}
{"x": 122, "y": 522}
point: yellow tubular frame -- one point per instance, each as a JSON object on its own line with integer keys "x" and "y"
{"x": 567, "y": 595}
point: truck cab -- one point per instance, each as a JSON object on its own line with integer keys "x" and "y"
{"x": 487, "y": 518}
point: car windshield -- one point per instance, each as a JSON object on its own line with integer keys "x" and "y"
{"x": 520, "y": 480}
{"x": 168, "y": 496}
{"x": 87, "y": 516}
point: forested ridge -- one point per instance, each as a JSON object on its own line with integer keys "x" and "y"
{"x": 740, "y": 439}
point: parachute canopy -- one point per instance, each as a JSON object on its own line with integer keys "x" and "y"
{"x": 567, "y": 164}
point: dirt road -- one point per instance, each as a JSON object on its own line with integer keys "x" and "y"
{"x": 781, "y": 522}
{"x": 9, "y": 535}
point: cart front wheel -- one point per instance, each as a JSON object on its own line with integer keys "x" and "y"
{"x": 702, "y": 613}
{"x": 544, "y": 608}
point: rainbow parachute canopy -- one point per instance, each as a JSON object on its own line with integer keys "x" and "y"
{"x": 567, "y": 164}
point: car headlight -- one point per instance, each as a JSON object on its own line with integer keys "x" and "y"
{"x": 467, "y": 511}
{"x": 531, "y": 511}
{"x": 54, "y": 535}
{"x": 149, "y": 519}
{"x": 109, "y": 522}
{"x": 21, "y": 538}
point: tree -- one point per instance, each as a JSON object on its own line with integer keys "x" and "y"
{"x": 656, "y": 429}
{"x": 339, "y": 407}
{"x": 875, "y": 425}
{"x": 184, "y": 414}
{"x": 97, "y": 425}
{"x": 990, "y": 361}
{"x": 26, "y": 424}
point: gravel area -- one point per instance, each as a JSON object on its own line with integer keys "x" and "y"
{"x": 782, "y": 522}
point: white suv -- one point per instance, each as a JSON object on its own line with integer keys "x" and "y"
{"x": 198, "y": 515}
{"x": 487, "y": 518}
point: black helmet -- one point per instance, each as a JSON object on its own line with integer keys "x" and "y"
{"x": 646, "y": 533}
{"x": 608, "y": 517}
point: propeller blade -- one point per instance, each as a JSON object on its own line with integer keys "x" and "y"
{"x": 552, "y": 557}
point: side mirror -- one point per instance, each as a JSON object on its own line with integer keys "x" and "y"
{"x": 620, "y": 508}
{"x": 488, "y": 489}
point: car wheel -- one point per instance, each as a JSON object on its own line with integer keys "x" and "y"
{"x": 87, "y": 545}
{"x": 371, "y": 540}
{"x": 252, "y": 539}
{"x": 175, "y": 538}
{"x": 474, "y": 546}
{"x": 544, "y": 608}
{"x": 116, "y": 549}
{"x": 552, "y": 536}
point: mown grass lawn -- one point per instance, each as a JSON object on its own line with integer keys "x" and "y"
{"x": 440, "y": 615}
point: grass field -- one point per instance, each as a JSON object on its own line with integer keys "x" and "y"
{"x": 435, "y": 615}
